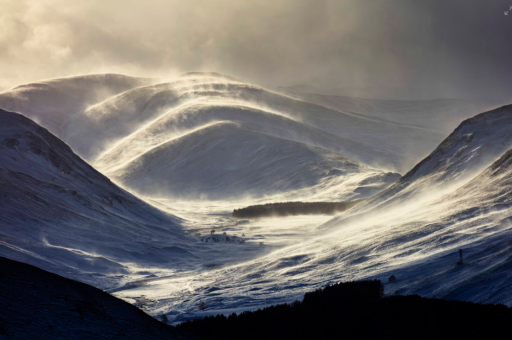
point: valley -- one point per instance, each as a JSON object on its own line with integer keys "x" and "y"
{"x": 140, "y": 203}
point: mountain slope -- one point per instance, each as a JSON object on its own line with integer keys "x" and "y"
{"x": 130, "y": 120}
{"x": 417, "y": 239}
{"x": 52, "y": 102}
{"x": 441, "y": 115}
{"x": 106, "y": 131}
{"x": 125, "y": 130}
{"x": 418, "y": 243}
{"x": 138, "y": 107}
{"x": 239, "y": 161}
{"x": 60, "y": 214}
{"x": 471, "y": 147}
{"x": 41, "y": 305}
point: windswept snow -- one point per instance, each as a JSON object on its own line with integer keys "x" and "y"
{"x": 241, "y": 140}
{"x": 197, "y": 147}
{"x": 417, "y": 240}
{"x": 60, "y": 214}
{"x": 471, "y": 147}
{"x": 52, "y": 102}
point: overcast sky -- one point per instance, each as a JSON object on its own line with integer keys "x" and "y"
{"x": 442, "y": 48}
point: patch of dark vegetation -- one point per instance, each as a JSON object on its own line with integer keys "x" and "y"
{"x": 358, "y": 310}
{"x": 293, "y": 208}
{"x": 36, "y": 304}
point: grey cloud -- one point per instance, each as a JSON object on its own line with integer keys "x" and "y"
{"x": 449, "y": 48}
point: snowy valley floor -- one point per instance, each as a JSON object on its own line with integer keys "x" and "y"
{"x": 416, "y": 242}
{"x": 261, "y": 237}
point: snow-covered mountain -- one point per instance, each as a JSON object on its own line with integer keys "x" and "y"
{"x": 60, "y": 214}
{"x": 207, "y": 95}
{"x": 205, "y": 135}
{"x": 471, "y": 147}
{"x": 243, "y": 141}
{"x": 52, "y": 102}
{"x": 440, "y": 115}
{"x": 417, "y": 239}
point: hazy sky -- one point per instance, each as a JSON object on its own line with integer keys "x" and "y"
{"x": 439, "y": 47}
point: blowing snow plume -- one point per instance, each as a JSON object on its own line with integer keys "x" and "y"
{"x": 241, "y": 141}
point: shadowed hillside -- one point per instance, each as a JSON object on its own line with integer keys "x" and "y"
{"x": 40, "y": 305}
{"x": 357, "y": 310}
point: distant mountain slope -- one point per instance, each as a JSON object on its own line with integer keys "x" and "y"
{"x": 130, "y": 120}
{"x": 124, "y": 131}
{"x": 440, "y": 115}
{"x": 118, "y": 123}
{"x": 241, "y": 162}
{"x": 369, "y": 140}
{"x": 40, "y": 305}
{"x": 60, "y": 214}
{"x": 475, "y": 144}
{"x": 52, "y": 102}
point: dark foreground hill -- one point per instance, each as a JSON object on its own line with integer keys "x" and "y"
{"x": 36, "y": 304}
{"x": 358, "y": 310}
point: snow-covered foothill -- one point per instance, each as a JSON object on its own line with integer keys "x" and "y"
{"x": 59, "y": 213}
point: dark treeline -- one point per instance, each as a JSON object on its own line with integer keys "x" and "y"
{"x": 293, "y": 208}
{"x": 358, "y": 310}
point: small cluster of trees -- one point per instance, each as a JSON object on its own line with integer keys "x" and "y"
{"x": 293, "y": 208}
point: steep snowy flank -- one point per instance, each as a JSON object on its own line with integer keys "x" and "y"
{"x": 476, "y": 143}
{"x": 52, "y": 102}
{"x": 60, "y": 214}
{"x": 41, "y": 305}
